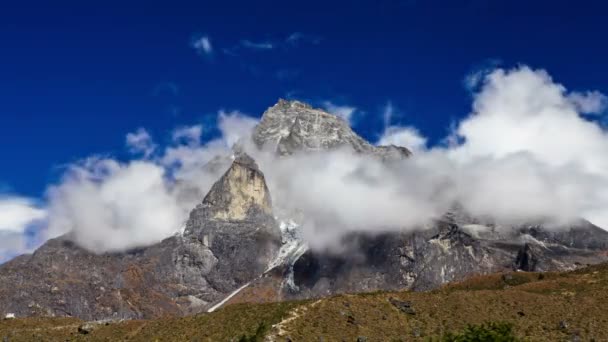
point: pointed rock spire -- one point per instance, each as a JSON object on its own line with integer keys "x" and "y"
{"x": 241, "y": 192}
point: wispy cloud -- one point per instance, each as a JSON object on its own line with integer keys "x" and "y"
{"x": 202, "y": 45}
{"x": 590, "y": 102}
{"x": 292, "y": 40}
{"x": 140, "y": 142}
{"x": 190, "y": 135}
{"x": 399, "y": 135}
{"x": 344, "y": 111}
{"x": 298, "y": 37}
{"x": 262, "y": 45}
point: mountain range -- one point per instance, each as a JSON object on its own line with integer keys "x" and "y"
{"x": 235, "y": 247}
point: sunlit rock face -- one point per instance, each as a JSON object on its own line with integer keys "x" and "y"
{"x": 235, "y": 222}
{"x": 240, "y": 192}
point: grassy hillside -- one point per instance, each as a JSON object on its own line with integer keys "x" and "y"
{"x": 539, "y": 307}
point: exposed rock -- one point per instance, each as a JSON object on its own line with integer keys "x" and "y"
{"x": 88, "y": 327}
{"x": 239, "y": 194}
{"x": 403, "y": 306}
{"x": 229, "y": 241}
{"x": 292, "y": 126}
{"x": 232, "y": 239}
{"x": 526, "y": 259}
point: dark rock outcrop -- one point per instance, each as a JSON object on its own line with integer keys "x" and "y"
{"x": 450, "y": 250}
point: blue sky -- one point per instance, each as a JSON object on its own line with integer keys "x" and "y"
{"x": 77, "y": 76}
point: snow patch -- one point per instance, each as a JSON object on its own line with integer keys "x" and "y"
{"x": 293, "y": 245}
{"x": 10, "y": 316}
{"x": 218, "y": 305}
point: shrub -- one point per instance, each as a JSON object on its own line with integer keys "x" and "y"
{"x": 490, "y": 332}
{"x": 257, "y": 336}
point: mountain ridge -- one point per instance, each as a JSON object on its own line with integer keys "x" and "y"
{"x": 235, "y": 249}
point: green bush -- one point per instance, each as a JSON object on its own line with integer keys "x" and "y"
{"x": 490, "y": 332}
{"x": 257, "y": 336}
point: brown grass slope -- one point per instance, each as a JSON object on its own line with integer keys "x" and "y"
{"x": 541, "y": 306}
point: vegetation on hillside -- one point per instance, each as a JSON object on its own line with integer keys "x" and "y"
{"x": 498, "y": 307}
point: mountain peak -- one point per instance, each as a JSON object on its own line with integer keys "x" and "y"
{"x": 244, "y": 160}
{"x": 283, "y": 103}
{"x": 239, "y": 193}
{"x": 292, "y": 126}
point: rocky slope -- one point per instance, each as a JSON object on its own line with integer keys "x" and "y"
{"x": 229, "y": 240}
{"x": 539, "y": 307}
{"x": 233, "y": 249}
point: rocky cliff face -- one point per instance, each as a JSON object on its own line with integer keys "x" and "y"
{"x": 232, "y": 246}
{"x": 450, "y": 250}
{"x": 229, "y": 240}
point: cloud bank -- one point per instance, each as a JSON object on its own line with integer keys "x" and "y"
{"x": 17, "y": 214}
{"x": 526, "y": 152}
{"x": 109, "y": 205}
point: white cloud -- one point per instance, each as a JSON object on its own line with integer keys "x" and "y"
{"x": 591, "y": 102}
{"x": 403, "y": 136}
{"x": 17, "y": 213}
{"x": 110, "y": 205}
{"x": 140, "y": 141}
{"x": 235, "y": 126}
{"x": 525, "y": 153}
{"x": 190, "y": 135}
{"x": 130, "y": 206}
{"x": 202, "y": 45}
{"x": 344, "y": 111}
{"x": 532, "y": 144}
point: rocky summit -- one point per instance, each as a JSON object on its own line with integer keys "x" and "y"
{"x": 293, "y": 126}
{"x": 234, "y": 249}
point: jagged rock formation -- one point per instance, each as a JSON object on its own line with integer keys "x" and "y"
{"x": 235, "y": 222}
{"x": 229, "y": 240}
{"x": 291, "y": 126}
{"x": 450, "y": 250}
{"x": 233, "y": 247}
{"x": 240, "y": 193}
